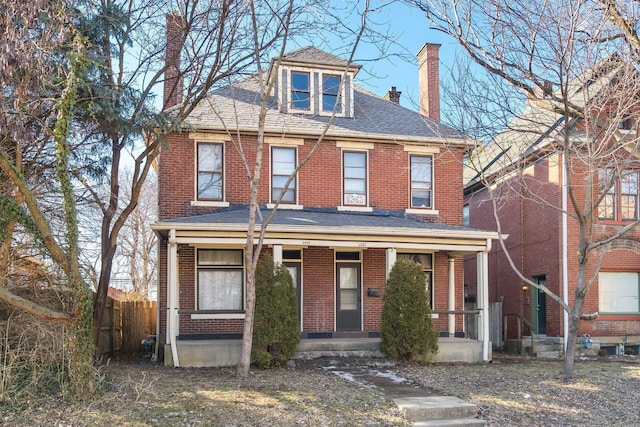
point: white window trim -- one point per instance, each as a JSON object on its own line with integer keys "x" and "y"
{"x": 211, "y": 203}
{"x": 312, "y": 90}
{"x": 210, "y": 316}
{"x": 355, "y": 208}
{"x": 426, "y": 210}
{"x": 282, "y": 204}
{"x": 341, "y": 97}
{"x": 222, "y": 314}
{"x": 285, "y": 206}
{"x": 421, "y": 211}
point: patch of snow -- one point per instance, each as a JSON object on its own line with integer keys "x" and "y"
{"x": 389, "y": 375}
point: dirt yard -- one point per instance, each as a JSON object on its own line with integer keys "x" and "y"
{"x": 508, "y": 392}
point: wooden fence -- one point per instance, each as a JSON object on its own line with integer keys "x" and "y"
{"x": 125, "y": 325}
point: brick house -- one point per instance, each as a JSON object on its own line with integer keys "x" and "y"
{"x": 525, "y": 164}
{"x": 385, "y": 183}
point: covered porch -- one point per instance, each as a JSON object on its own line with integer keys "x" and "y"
{"x": 340, "y": 262}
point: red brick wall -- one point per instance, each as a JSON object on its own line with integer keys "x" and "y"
{"x": 319, "y": 181}
{"x": 535, "y": 245}
{"x": 318, "y": 289}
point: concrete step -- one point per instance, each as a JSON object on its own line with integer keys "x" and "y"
{"x": 459, "y": 422}
{"x": 548, "y": 354}
{"x": 428, "y": 408}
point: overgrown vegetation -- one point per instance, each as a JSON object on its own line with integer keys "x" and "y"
{"x": 276, "y": 330}
{"x": 406, "y": 330}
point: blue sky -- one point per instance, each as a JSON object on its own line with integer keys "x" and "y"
{"x": 412, "y": 30}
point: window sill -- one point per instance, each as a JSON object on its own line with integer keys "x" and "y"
{"x": 425, "y": 211}
{"x": 285, "y": 206}
{"x": 209, "y": 316}
{"x": 210, "y": 203}
{"x": 355, "y": 209}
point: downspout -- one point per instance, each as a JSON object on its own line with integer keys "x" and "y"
{"x": 172, "y": 294}
{"x": 485, "y": 301}
{"x": 565, "y": 262}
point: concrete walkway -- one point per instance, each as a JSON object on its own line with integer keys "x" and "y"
{"x": 423, "y": 407}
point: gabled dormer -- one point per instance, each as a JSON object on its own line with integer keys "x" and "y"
{"x": 311, "y": 81}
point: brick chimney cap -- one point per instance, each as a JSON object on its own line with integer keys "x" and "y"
{"x": 426, "y": 46}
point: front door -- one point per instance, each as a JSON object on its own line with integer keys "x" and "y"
{"x": 348, "y": 299}
{"x": 295, "y": 269}
{"x": 539, "y": 306}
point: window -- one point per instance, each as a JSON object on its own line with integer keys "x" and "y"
{"x": 421, "y": 181}
{"x": 618, "y": 293}
{"x": 283, "y": 164}
{"x": 331, "y": 94}
{"x": 220, "y": 279}
{"x": 426, "y": 262}
{"x": 355, "y": 178}
{"x": 620, "y": 202}
{"x": 300, "y": 91}
{"x": 210, "y": 172}
{"x": 465, "y": 215}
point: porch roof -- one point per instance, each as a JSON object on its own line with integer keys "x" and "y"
{"x": 328, "y": 224}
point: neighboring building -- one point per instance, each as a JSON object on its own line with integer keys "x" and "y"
{"x": 525, "y": 165}
{"x": 385, "y": 183}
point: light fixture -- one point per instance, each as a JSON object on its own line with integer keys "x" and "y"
{"x": 525, "y": 287}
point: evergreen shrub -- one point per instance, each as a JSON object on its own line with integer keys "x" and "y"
{"x": 276, "y": 330}
{"x": 406, "y": 331}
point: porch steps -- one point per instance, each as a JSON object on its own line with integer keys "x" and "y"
{"x": 352, "y": 347}
{"x": 439, "y": 411}
{"x": 543, "y": 347}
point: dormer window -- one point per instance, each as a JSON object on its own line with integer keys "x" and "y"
{"x": 300, "y": 90}
{"x": 331, "y": 100}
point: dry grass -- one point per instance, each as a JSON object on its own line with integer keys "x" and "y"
{"x": 513, "y": 391}
{"x": 508, "y": 392}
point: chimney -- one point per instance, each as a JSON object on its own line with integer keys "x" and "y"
{"x": 173, "y": 82}
{"x": 393, "y": 95}
{"x": 429, "y": 77}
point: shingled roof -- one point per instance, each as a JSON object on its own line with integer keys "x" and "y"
{"x": 236, "y": 107}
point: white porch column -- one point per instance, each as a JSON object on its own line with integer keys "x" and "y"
{"x": 392, "y": 256}
{"x": 452, "y": 297}
{"x": 483, "y": 299}
{"x": 277, "y": 254}
{"x": 172, "y": 296}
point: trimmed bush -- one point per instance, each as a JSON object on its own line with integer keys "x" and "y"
{"x": 276, "y": 330}
{"x": 406, "y": 331}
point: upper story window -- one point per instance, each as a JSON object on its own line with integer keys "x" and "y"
{"x": 300, "y": 90}
{"x": 283, "y": 164}
{"x": 331, "y": 99}
{"x": 421, "y": 181}
{"x": 465, "y": 216}
{"x": 354, "y": 164}
{"x": 210, "y": 171}
{"x": 620, "y": 201}
{"x": 220, "y": 279}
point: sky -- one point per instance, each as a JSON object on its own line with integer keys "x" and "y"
{"x": 410, "y": 29}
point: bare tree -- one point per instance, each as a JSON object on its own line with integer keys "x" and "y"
{"x": 576, "y": 83}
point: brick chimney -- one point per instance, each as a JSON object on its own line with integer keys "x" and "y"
{"x": 173, "y": 82}
{"x": 429, "y": 77}
{"x": 393, "y": 95}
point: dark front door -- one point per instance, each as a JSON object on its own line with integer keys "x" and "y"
{"x": 295, "y": 269}
{"x": 540, "y": 306}
{"x": 348, "y": 300}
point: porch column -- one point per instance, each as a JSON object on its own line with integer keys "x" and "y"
{"x": 172, "y": 296}
{"x": 482, "y": 271}
{"x": 392, "y": 256}
{"x": 452, "y": 297}
{"x": 277, "y": 254}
